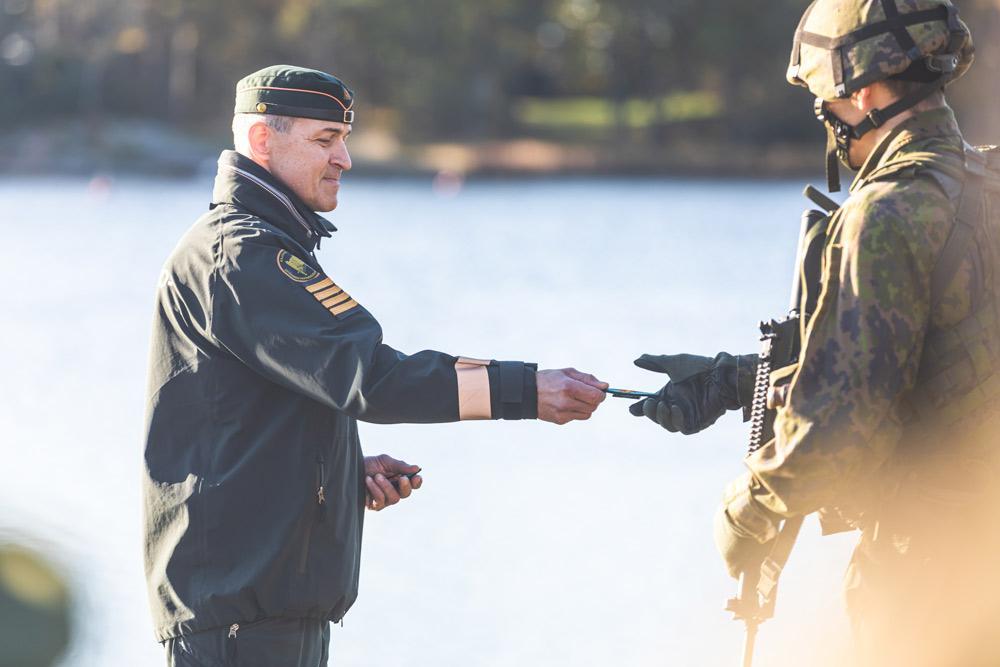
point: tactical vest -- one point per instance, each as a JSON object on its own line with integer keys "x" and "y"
{"x": 949, "y": 415}
{"x": 959, "y": 374}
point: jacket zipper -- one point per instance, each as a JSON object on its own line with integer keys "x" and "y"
{"x": 320, "y": 488}
{"x": 231, "y": 656}
{"x": 320, "y": 510}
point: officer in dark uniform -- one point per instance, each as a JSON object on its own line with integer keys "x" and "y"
{"x": 261, "y": 364}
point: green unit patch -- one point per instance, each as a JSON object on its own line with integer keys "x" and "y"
{"x": 295, "y": 268}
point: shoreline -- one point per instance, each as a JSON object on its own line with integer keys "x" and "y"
{"x": 155, "y": 150}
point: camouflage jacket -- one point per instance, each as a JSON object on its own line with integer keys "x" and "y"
{"x": 843, "y": 416}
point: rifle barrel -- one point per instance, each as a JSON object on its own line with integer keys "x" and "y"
{"x": 749, "y": 639}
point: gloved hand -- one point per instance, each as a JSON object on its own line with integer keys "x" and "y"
{"x": 700, "y": 390}
{"x": 744, "y": 529}
{"x": 740, "y": 551}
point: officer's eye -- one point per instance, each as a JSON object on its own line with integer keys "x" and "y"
{"x": 325, "y": 143}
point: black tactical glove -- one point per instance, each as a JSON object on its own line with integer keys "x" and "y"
{"x": 700, "y": 390}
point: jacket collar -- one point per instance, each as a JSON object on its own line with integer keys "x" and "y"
{"x": 936, "y": 123}
{"x": 245, "y": 184}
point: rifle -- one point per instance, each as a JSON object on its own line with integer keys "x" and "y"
{"x": 781, "y": 343}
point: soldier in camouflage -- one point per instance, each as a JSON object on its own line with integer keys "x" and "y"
{"x": 890, "y": 420}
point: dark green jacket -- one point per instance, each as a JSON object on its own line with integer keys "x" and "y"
{"x": 260, "y": 366}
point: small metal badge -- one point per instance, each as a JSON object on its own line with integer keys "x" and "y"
{"x": 261, "y": 107}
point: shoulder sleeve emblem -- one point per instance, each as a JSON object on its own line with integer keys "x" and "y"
{"x": 324, "y": 290}
{"x": 295, "y": 268}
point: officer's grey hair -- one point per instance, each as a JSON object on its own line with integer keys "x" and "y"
{"x": 243, "y": 121}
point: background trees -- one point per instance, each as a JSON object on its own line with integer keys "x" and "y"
{"x": 632, "y": 72}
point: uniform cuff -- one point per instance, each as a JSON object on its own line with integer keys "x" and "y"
{"x": 496, "y": 389}
{"x": 513, "y": 392}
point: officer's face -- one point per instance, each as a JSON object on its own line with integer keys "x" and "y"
{"x": 310, "y": 159}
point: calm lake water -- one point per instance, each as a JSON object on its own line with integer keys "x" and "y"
{"x": 530, "y": 544}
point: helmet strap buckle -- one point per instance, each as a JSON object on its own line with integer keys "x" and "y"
{"x": 876, "y": 118}
{"x": 945, "y": 64}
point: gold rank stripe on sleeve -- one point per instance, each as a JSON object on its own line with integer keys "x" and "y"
{"x": 331, "y": 296}
{"x": 322, "y": 284}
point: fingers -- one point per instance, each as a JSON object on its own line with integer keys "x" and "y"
{"x": 668, "y": 416}
{"x": 678, "y": 367}
{"x": 567, "y": 395}
{"x": 637, "y": 408}
{"x": 650, "y": 362}
{"x": 584, "y": 393}
{"x": 388, "y": 466}
{"x": 402, "y": 486}
{"x": 586, "y": 378}
{"x": 381, "y": 492}
{"x": 562, "y": 418}
{"x": 375, "y": 498}
{"x": 401, "y": 468}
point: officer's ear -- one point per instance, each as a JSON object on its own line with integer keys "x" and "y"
{"x": 260, "y": 140}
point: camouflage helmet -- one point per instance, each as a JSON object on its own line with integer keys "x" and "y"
{"x": 842, "y": 46}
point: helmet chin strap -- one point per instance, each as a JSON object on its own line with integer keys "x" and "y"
{"x": 838, "y": 143}
{"x": 839, "y": 134}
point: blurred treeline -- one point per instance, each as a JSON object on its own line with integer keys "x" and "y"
{"x": 643, "y": 75}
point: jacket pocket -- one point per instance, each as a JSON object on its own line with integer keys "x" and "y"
{"x": 319, "y": 512}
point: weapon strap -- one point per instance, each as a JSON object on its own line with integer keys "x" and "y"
{"x": 967, "y": 219}
{"x": 771, "y": 567}
{"x": 832, "y": 162}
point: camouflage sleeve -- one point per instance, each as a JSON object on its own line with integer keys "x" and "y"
{"x": 860, "y": 353}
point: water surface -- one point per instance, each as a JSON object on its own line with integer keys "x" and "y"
{"x": 530, "y": 544}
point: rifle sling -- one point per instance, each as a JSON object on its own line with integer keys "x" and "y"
{"x": 771, "y": 567}
{"x": 967, "y": 219}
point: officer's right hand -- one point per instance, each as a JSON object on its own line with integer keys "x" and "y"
{"x": 567, "y": 394}
{"x": 700, "y": 390}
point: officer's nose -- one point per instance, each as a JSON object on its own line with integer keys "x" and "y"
{"x": 341, "y": 158}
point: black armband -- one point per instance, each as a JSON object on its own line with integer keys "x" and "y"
{"x": 513, "y": 394}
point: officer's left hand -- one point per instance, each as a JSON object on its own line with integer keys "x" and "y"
{"x": 380, "y": 474}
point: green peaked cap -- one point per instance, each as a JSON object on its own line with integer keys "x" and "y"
{"x": 287, "y": 90}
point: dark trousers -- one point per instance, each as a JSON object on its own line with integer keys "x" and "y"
{"x": 272, "y": 642}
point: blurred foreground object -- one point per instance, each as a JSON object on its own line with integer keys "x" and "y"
{"x": 35, "y": 622}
